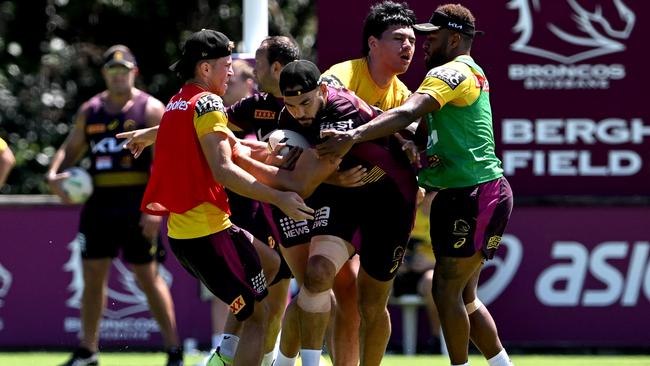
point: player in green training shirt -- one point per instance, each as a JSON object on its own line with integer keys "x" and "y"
{"x": 470, "y": 212}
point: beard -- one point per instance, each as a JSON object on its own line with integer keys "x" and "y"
{"x": 436, "y": 59}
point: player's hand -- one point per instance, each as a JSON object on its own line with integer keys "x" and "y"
{"x": 352, "y": 177}
{"x": 412, "y": 152}
{"x": 239, "y": 149}
{"x": 284, "y": 156}
{"x": 138, "y": 140}
{"x": 337, "y": 144}
{"x": 291, "y": 157}
{"x": 259, "y": 149}
{"x": 293, "y": 206}
{"x": 150, "y": 225}
{"x": 55, "y": 182}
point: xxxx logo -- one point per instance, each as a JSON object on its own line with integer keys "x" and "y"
{"x": 237, "y": 305}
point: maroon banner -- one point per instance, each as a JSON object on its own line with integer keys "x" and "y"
{"x": 41, "y": 283}
{"x": 567, "y": 82}
{"x": 564, "y": 276}
{"x": 570, "y": 276}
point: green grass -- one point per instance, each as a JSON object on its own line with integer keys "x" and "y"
{"x": 158, "y": 359}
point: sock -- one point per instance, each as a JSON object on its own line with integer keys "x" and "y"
{"x": 462, "y": 364}
{"x": 216, "y": 339}
{"x": 501, "y": 359}
{"x": 175, "y": 353}
{"x": 83, "y": 352}
{"x": 283, "y": 360}
{"x": 310, "y": 357}
{"x": 228, "y": 347}
{"x": 267, "y": 360}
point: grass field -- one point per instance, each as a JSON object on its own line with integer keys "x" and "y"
{"x": 158, "y": 359}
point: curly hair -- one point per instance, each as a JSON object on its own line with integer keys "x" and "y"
{"x": 457, "y": 11}
{"x": 381, "y": 17}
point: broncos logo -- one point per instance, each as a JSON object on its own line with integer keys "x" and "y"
{"x": 567, "y": 31}
{"x": 125, "y": 299}
{"x": 5, "y": 283}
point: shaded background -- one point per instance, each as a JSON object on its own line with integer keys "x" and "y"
{"x": 50, "y": 56}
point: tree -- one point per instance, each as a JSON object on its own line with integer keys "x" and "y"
{"x": 51, "y": 56}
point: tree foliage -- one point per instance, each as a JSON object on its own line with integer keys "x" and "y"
{"x": 51, "y": 56}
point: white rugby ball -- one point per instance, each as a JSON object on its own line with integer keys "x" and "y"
{"x": 289, "y": 138}
{"x": 79, "y": 185}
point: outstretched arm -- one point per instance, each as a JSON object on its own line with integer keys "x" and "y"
{"x": 138, "y": 140}
{"x": 218, "y": 152}
{"x": 308, "y": 172}
{"x": 387, "y": 123}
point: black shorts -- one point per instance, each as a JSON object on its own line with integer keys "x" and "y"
{"x": 228, "y": 265}
{"x": 265, "y": 214}
{"x": 385, "y": 225}
{"x": 249, "y": 215}
{"x": 110, "y": 222}
{"x": 376, "y": 218}
{"x": 466, "y": 220}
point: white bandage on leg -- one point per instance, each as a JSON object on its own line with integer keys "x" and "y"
{"x": 473, "y": 306}
{"x": 335, "y": 250}
{"x": 331, "y": 247}
{"x": 314, "y": 302}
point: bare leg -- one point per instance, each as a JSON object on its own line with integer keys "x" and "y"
{"x": 424, "y": 290}
{"x": 483, "y": 330}
{"x": 159, "y": 299}
{"x": 290, "y": 339}
{"x": 450, "y": 278}
{"x": 375, "y": 319}
{"x": 277, "y": 303}
{"x": 218, "y": 314}
{"x": 346, "y": 315}
{"x": 319, "y": 277}
{"x": 296, "y": 258}
{"x": 233, "y": 326}
{"x": 93, "y": 300}
{"x": 253, "y": 330}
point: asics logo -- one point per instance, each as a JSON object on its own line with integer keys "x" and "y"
{"x": 459, "y": 243}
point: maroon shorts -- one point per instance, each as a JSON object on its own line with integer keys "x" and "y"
{"x": 376, "y": 218}
{"x": 228, "y": 265}
{"x": 466, "y": 220}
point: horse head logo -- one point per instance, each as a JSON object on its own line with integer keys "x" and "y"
{"x": 5, "y": 283}
{"x": 127, "y": 298}
{"x": 570, "y": 32}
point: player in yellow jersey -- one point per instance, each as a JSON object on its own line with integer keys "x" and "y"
{"x": 388, "y": 46}
{"x": 472, "y": 207}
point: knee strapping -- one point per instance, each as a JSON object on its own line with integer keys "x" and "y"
{"x": 314, "y": 302}
{"x": 331, "y": 247}
{"x": 473, "y": 306}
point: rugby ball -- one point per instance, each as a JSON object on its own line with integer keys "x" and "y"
{"x": 78, "y": 186}
{"x": 289, "y": 138}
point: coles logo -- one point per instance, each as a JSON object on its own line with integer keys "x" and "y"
{"x": 567, "y": 32}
